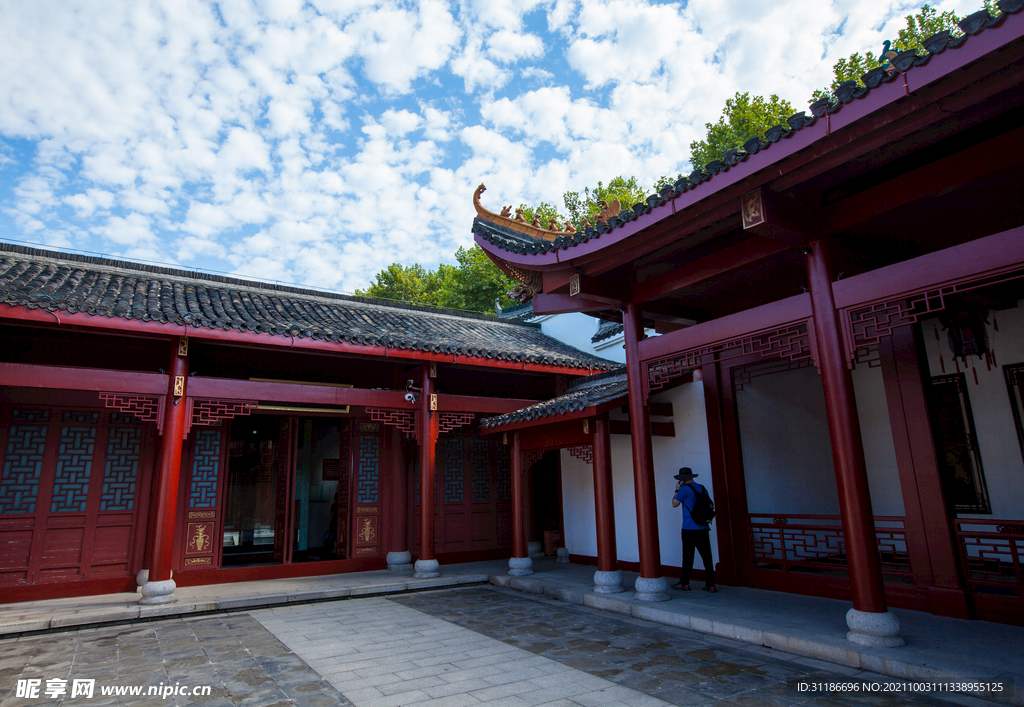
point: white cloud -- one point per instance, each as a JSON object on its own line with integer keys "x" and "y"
{"x": 507, "y": 46}
{"x": 320, "y": 141}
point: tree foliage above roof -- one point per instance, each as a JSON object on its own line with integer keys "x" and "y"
{"x": 473, "y": 284}
{"x": 926, "y": 22}
{"x": 742, "y": 118}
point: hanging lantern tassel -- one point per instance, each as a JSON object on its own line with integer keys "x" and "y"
{"x": 942, "y": 362}
{"x": 995, "y": 322}
{"x": 975, "y": 375}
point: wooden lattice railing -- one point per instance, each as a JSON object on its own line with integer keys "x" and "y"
{"x": 815, "y": 542}
{"x": 992, "y": 552}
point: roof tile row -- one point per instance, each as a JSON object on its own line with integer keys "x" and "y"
{"x": 53, "y": 281}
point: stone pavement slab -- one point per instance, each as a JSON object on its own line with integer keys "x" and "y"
{"x": 386, "y": 657}
{"x": 230, "y": 658}
{"x": 938, "y": 648}
{"x": 678, "y": 666}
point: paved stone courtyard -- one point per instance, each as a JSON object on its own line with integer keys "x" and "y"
{"x": 241, "y": 662}
{"x": 470, "y": 646}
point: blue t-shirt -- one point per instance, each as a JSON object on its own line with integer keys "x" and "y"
{"x": 687, "y": 496}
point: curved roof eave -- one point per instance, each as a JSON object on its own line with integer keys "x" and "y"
{"x": 752, "y": 167}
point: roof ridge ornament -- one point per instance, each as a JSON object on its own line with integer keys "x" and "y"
{"x": 518, "y": 223}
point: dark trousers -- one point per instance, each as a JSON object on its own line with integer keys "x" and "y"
{"x": 701, "y": 541}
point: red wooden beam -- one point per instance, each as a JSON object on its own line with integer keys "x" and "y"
{"x": 28, "y": 375}
{"x": 992, "y": 254}
{"x": 707, "y": 268}
{"x": 201, "y": 387}
{"x": 559, "y": 304}
{"x": 554, "y": 435}
{"x": 977, "y": 161}
{"x": 471, "y": 403}
{"x": 766, "y": 316}
{"x": 658, "y": 429}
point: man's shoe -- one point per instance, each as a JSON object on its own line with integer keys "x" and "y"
{"x": 680, "y": 585}
{"x": 710, "y": 589}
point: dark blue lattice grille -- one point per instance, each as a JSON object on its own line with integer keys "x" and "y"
{"x": 23, "y": 464}
{"x": 30, "y": 415}
{"x": 368, "y": 463}
{"x": 80, "y": 417}
{"x": 480, "y": 461}
{"x": 504, "y": 472}
{"x": 74, "y": 464}
{"x": 122, "y": 470}
{"x": 454, "y": 485}
{"x": 205, "y": 468}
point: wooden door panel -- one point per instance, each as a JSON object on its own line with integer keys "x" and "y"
{"x": 111, "y": 551}
{"x": 366, "y": 541}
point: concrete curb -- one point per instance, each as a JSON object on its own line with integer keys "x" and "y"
{"x": 839, "y": 651}
{"x": 128, "y": 612}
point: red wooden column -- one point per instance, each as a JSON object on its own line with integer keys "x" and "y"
{"x": 427, "y": 565}
{"x": 520, "y": 563}
{"x": 870, "y": 621}
{"x": 399, "y": 557}
{"x": 650, "y": 585}
{"x": 931, "y": 541}
{"x": 608, "y": 578}
{"x": 159, "y": 588}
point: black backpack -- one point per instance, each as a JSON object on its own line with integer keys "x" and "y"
{"x": 703, "y": 508}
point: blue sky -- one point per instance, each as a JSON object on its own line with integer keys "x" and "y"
{"x": 317, "y": 142}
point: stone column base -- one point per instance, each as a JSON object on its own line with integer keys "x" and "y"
{"x": 608, "y": 582}
{"x": 401, "y": 560}
{"x": 158, "y": 593}
{"x": 563, "y": 555}
{"x": 874, "y": 628}
{"x": 520, "y": 566}
{"x": 426, "y": 569}
{"x": 140, "y": 579}
{"x": 652, "y": 589}
{"x": 535, "y": 548}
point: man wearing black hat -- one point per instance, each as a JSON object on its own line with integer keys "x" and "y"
{"x": 695, "y": 535}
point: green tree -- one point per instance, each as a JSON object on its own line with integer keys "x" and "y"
{"x": 544, "y": 210}
{"x": 626, "y": 190}
{"x": 403, "y": 283}
{"x": 742, "y": 118}
{"x": 473, "y": 284}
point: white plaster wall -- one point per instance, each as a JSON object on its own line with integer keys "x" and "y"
{"x": 575, "y": 329}
{"x": 787, "y": 455}
{"x": 578, "y": 512}
{"x": 578, "y": 329}
{"x": 688, "y": 448}
{"x": 1000, "y": 450}
{"x": 879, "y": 451}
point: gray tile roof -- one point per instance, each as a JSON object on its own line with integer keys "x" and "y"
{"x": 606, "y": 331}
{"x": 131, "y": 291}
{"x": 582, "y": 393}
{"x": 511, "y": 241}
